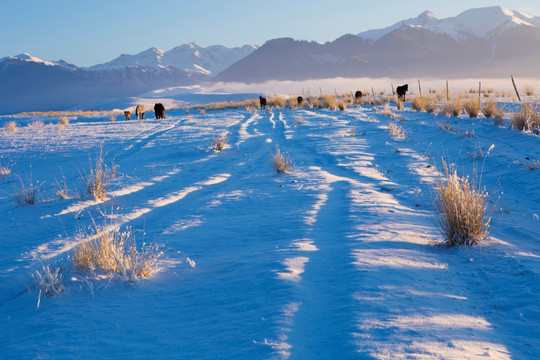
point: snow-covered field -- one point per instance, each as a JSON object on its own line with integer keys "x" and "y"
{"x": 337, "y": 260}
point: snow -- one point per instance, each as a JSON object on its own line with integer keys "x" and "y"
{"x": 188, "y": 57}
{"x": 482, "y": 23}
{"x": 337, "y": 260}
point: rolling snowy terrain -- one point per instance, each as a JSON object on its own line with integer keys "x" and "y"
{"x": 339, "y": 259}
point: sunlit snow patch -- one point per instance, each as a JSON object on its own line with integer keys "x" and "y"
{"x": 295, "y": 267}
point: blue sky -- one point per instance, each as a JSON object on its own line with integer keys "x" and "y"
{"x": 90, "y": 32}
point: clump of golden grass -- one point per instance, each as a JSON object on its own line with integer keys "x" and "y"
{"x": 281, "y": 163}
{"x": 527, "y": 119}
{"x": 529, "y": 91}
{"x": 4, "y": 170}
{"x": 112, "y": 119}
{"x": 452, "y": 108}
{"x": 329, "y": 101}
{"x": 400, "y": 104}
{"x": 113, "y": 251}
{"x": 202, "y": 112}
{"x": 461, "y": 209}
{"x": 419, "y": 103}
{"x": 395, "y": 130}
{"x": 64, "y": 120}
{"x": 219, "y": 142}
{"x": 489, "y": 109}
{"x": 472, "y": 107}
{"x": 431, "y": 106}
{"x": 36, "y": 124}
{"x": 97, "y": 180}
{"x": 10, "y": 126}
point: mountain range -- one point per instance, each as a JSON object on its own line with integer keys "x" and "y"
{"x": 484, "y": 42}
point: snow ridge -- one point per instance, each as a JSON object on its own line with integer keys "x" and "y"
{"x": 481, "y": 23}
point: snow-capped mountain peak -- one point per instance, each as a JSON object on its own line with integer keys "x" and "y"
{"x": 188, "y": 57}
{"x": 482, "y": 23}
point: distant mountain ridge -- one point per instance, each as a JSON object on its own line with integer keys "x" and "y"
{"x": 28, "y": 83}
{"x": 190, "y": 58}
{"x": 485, "y": 42}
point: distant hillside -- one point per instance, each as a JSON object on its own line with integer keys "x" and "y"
{"x": 486, "y": 42}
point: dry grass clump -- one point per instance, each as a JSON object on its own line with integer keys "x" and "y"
{"x": 472, "y": 107}
{"x": 461, "y": 209}
{"x": 113, "y": 251}
{"x": 281, "y": 163}
{"x": 400, "y": 104}
{"x": 36, "y": 124}
{"x": 97, "y": 180}
{"x": 419, "y": 103}
{"x": 527, "y": 119}
{"x": 431, "y": 106}
{"x": 452, "y": 108}
{"x": 529, "y": 91}
{"x": 112, "y": 119}
{"x": 395, "y": 130}
{"x": 299, "y": 120}
{"x": 219, "y": 142}
{"x": 489, "y": 109}
{"x": 329, "y": 101}
{"x": 276, "y": 101}
{"x": 26, "y": 195}
{"x": 64, "y": 120}
{"x": 10, "y": 126}
{"x": 48, "y": 281}
{"x": 4, "y": 170}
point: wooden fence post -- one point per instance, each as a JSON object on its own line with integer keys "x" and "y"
{"x": 515, "y": 88}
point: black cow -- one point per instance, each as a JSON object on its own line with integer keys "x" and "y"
{"x": 159, "y": 109}
{"x": 262, "y": 101}
{"x": 358, "y": 96}
{"x": 300, "y": 100}
{"x": 401, "y": 91}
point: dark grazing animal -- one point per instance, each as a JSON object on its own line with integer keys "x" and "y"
{"x": 128, "y": 115}
{"x": 159, "y": 109}
{"x": 300, "y": 100}
{"x": 139, "y": 110}
{"x": 263, "y": 102}
{"x": 401, "y": 91}
{"x": 358, "y": 96}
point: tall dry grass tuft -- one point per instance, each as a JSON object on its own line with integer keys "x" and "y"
{"x": 113, "y": 251}
{"x": 472, "y": 107}
{"x": 281, "y": 163}
{"x": 219, "y": 142}
{"x": 529, "y": 91}
{"x": 49, "y": 281}
{"x": 26, "y": 195}
{"x": 461, "y": 209}
{"x": 527, "y": 119}
{"x": 96, "y": 180}
{"x": 64, "y": 120}
{"x": 10, "y": 126}
{"x": 395, "y": 130}
{"x": 419, "y": 103}
{"x": 431, "y": 106}
{"x": 489, "y": 109}
{"x": 4, "y": 170}
{"x": 453, "y": 108}
{"x": 35, "y": 124}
